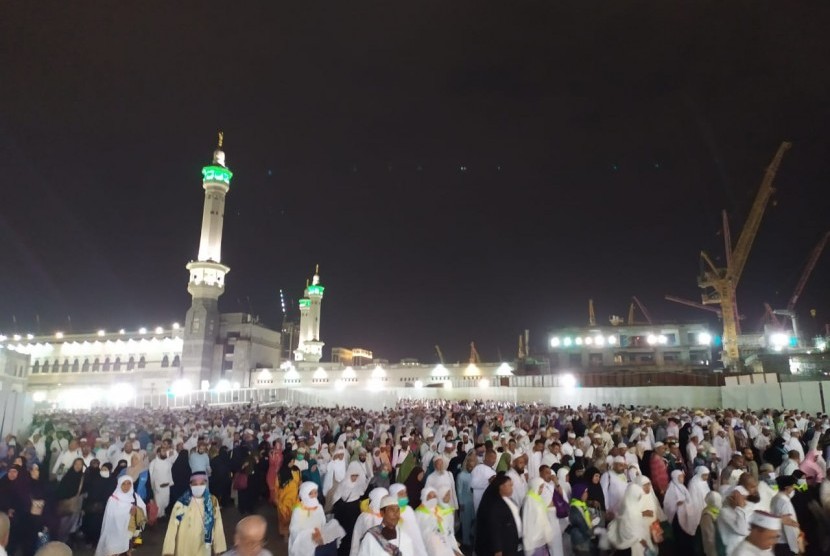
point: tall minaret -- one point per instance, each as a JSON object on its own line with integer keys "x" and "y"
{"x": 207, "y": 277}
{"x": 310, "y": 348}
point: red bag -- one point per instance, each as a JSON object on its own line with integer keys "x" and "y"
{"x": 240, "y": 481}
{"x": 152, "y": 512}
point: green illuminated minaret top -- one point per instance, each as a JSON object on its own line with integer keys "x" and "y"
{"x": 217, "y": 172}
{"x": 316, "y": 288}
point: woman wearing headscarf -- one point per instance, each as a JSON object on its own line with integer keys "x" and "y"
{"x": 698, "y": 489}
{"x": 433, "y": 519}
{"x": 68, "y": 509}
{"x": 289, "y": 492}
{"x": 13, "y": 499}
{"x": 346, "y": 498}
{"x": 649, "y": 501}
{"x": 466, "y": 511}
{"x": 220, "y": 476}
{"x": 307, "y": 520}
{"x": 98, "y": 486}
{"x": 440, "y": 479}
{"x": 335, "y": 474}
{"x": 706, "y": 537}
{"x": 119, "y": 518}
{"x": 414, "y": 484}
{"x": 596, "y": 498}
{"x": 629, "y": 532}
{"x": 681, "y": 512}
{"x": 581, "y": 522}
{"x": 38, "y": 509}
{"x": 181, "y": 478}
{"x": 408, "y": 520}
{"x": 813, "y": 471}
{"x": 140, "y": 474}
{"x": 120, "y": 468}
{"x": 274, "y": 465}
{"x": 368, "y": 518}
{"x": 498, "y": 521}
{"x": 537, "y": 532}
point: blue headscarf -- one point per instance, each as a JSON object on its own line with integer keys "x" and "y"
{"x": 209, "y": 517}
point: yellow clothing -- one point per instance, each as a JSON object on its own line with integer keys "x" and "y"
{"x": 187, "y": 537}
{"x": 287, "y": 497}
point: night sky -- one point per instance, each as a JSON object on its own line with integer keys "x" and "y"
{"x": 460, "y": 170}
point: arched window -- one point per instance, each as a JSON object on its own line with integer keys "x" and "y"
{"x": 76, "y": 366}
{"x": 107, "y": 365}
{"x": 117, "y": 365}
{"x": 96, "y": 365}
{"x": 36, "y": 367}
{"x": 55, "y": 366}
{"x": 131, "y": 363}
{"x": 165, "y": 361}
{"x": 65, "y": 366}
{"x": 85, "y": 368}
{"x": 142, "y": 362}
{"x": 176, "y": 361}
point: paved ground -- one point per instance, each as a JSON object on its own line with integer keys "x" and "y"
{"x": 154, "y": 536}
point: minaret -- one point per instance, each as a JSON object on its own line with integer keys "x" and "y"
{"x": 310, "y": 348}
{"x": 207, "y": 277}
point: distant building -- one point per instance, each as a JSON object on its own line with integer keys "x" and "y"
{"x": 630, "y": 347}
{"x": 356, "y": 357}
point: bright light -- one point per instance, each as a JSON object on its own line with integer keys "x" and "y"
{"x": 223, "y": 386}
{"x": 504, "y": 370}
{"x": 704, "y": 339}
{"x": 651, "y": 339}
{"x": 159, "y": 330}
{"x": 599, "y": 340}
{"x": 555, "y": 341}
{"x": 39, "y": 396}
{"x": 419, "y": 384}
{"x": 821, "y": 345}
{"x": 142, "y": 330}
{"x": 2, "y": 338}
{"x": 484, "y": 383}
{"x": 779, "y": 340}
{"x": 181, "y": 387}
{"x": 378, "y": 372}
{"x": 236, "y": 385}
{"x": 662, "y": 339}
{"x": 448, "y": 385}
{"x": 589, "y": 341}
{"x": 612, "y": 340}
{"x": 291, "y": 373}
{"x": 339, "y": 384}
{"x": 264, "y": 374}
{"x": 30, "y": 336}
{"x": 59, "y": 335}
{"x": 16, "y": 337}
{"x": 320, "y": 374}
{"x": 568, "y": 381}
{"x": 204, "y": 385}
{"x": 375, "y": 384}
{"x": 121, "y": 393}
{"x": 472, "y": 369}
{"x": 122, "y": 331}
{"x": 102, "y": 333}
{"x": 348, "y": 372}
{"x": 176, "y": 326}
{"x": 567, "y": 342}
{"x": 578, "y": 341}
{"x": 439, "y": 370}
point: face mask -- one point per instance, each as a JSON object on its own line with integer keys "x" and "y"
{"x": 431, "y": 503}
{"x": 384, "y": 474}
{"x": 105, "y": 474}
{"x": 403, "y": 502}
{"x": 771, "y": 475}
{"x": 300, "y": 457}
{"x": 198, "y": 490}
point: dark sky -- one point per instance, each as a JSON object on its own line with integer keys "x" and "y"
{"x": 600, "y": 141}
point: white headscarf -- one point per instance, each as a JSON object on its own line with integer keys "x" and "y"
{"x": 563, "y": 482}
{"x": 375, "y": 496}
{"x": 536, "y": 526}
{"x": 349, "y": 490}
{"x": 305, "y": 490}
{"x": 630, "y": 527}
{"x": 115, "y": 537}
{"x": 698, "y": 489}
{"x": 676, "y": 493}
{"x": 649, "y": 501}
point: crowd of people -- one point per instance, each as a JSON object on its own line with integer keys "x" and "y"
{"x": 425, "y": 478}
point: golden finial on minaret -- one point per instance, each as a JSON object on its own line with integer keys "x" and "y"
{"x": 317, "y": 269}
{"x": 221, "y": 139}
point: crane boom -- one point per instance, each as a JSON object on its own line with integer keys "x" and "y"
{"x": 808, "y": 269}
{"x": 474, "y": 357}
{"x": 753, "y": 221}
{"x": 642, "y": 309}
{"x": 592, "y": 318}
{"x": 440, "y": 355}
{"x": 694, "y": 304}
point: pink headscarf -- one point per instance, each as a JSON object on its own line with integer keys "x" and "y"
{"x": 812, "y": 470}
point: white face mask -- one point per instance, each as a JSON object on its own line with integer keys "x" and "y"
{"x": 105, "y": 474}
{"x": 198, "y": 490}
{"x": 431, "y": 503}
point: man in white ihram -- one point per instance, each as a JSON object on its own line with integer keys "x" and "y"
{"x": 387, "y": 538}
{"x": 161, "y": 478}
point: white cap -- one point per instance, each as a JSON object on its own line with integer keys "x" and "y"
{"x": 741, "y": 489}
{"x": 571, "y": 435}
{"x": 618, "y": 459}
{"x": 658, "y": 444}
{"x": 387, "y": 501}
{"x": 765, "y": 520}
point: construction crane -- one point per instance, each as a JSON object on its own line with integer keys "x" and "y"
{"x": 694, "y": 304}
{"x": 474, "y": 357}
{"x": 719, "y": 284}
{"x": 592, "y": 318}
{"x": 440, "y": 355}
{"x": 637, "y": 303}
{"x": 522, "y": 354}
{"x": 789, "y": 312}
